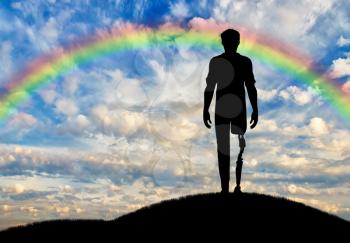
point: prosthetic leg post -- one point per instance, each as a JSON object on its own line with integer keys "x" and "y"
{"x": 239, "y": 163}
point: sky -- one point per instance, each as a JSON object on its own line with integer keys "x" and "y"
{"x": 125, "y": 130}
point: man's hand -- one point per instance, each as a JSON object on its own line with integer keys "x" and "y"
{"x": 206, "y": 118}
{"x": 254, "y": 119}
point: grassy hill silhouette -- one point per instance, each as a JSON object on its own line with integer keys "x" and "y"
{"x": 247, "y": 214}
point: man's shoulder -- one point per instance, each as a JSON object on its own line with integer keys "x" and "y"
{"x": 244, "y": 58}
{"x": 217, "y": 57}
{"x": 241, "y": 58}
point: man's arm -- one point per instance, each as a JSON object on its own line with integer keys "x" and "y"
{"x": 253, "y": 95}
{"x": 208, "y": 96}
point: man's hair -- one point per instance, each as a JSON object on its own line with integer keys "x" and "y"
{"x": 230, "y": 34}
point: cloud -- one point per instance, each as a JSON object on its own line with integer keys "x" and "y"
{"x": 308, "y": 25}
{"x": 318, "y": 126}
{"x": 17, "y": 188}
{"x": 257, "y": 13}
{"x": 267, "y": 125}
{"x": 63, "y": 211}
{"x": 4, "y": 159}
{"x": 179, "y": 9}
{"x": 182, "y": 81}
{"x": 66, "y": 106}
{"x": 340, "y": 67}
{"x": 267, "y": 95}
{"x": 343, "y": 41}
{"x": 22, "y": 120}
{"x": 130, "y": 92}
{"x": 6, "y": 67}
{"x": 5, "y": 208}
{"x": 297, "y": 95}
{"x": 48, "y": 95}
{"x": 201, "y": 24}
{"x": 77, "y": 125}
{"x": 118, "y": 121}
{"x": 82, "y": 121}
{"x": 50, "y": 31}
{"x": 66, "y": 189}
{"x": 295, "y": 189}
{"x": 31, "y": 210}
{"x": 71, "y": 84}
{"x": 346, "y": 87}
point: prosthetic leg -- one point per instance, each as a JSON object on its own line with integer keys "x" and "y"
{"x": 239, "y": 163}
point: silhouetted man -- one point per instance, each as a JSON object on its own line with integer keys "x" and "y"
{"x": 229, "y": 72}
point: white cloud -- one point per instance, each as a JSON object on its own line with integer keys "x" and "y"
{"x": 116, "y": 74}
{"x": 6, "y": 58}
{"x": 200, "y": 24}
{"x": 297, "y": 95}
{"x": 267, "y": 125}
{"x": 119, "y": 120}
{"x": 130, "y": 92}
{"x": 71, "y": 84}
{"x": 5, "y": 208}
{"x": 318, "y": 126}
{"x": 16, "y": 188}
{"x": 129, "y": 122}
{"x": 6, "y": 159}
{"x": 77, "y": 125}
{"x": 179, "y": 9}
{"x": 22, "y": 120}
{"x": 50, "y": 31}
{"x": 48, "y": 95}
{"x": 290, "y": 21}
{"x": 203, "y": 3}
{"x": 31, "y": 210}
{"x": 340, "y": 67}
{"x": 285, "y": 95}
{"x": 183, "y": 81}
{"x": 62, "y": 210}
{"x": 343, "y": 41}
{"x": 19, "y": 188}
{"x": 66, "y": 189}
{"x": 176, "y": 128}
{"x": 43, "y": 34}
{"x": 346, "y": 87}
{"x": 298, "y": 17}
{"x": 296, "y": 189}
{"x": 82, "y": 121}
{"x": 79, "y": 210}
{"x": 101, "y": 113}
{"x": 66, "y": 106}
{"x": 267, "y": 95}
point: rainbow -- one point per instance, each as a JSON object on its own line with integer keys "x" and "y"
{"x": 47, "y": 68}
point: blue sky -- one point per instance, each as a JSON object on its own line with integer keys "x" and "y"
{"x": 126, "y": 130}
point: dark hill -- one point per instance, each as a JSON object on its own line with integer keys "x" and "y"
{"x": 245, "y": 215}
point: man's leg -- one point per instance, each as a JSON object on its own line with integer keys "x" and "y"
{"x": 223, "y": 148}
{"x": 239, "y": 163}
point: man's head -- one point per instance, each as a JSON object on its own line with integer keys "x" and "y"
{"x": 230, "y": 40}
